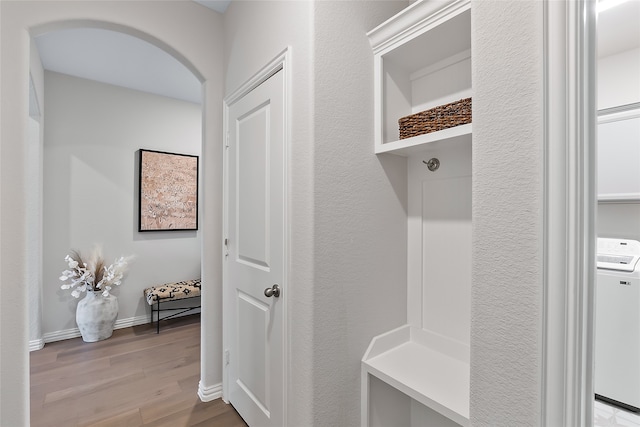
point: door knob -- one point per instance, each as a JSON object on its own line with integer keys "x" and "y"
{"x": 273, "y": 291}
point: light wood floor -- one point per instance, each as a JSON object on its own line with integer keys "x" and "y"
{"x": 134, "y": 378}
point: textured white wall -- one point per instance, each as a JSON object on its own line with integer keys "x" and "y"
{"x": 360, "y": 271}
{"x": 192, "y": 34}
{"x": 92, "y": 134}
{"x": 506, "y": 316}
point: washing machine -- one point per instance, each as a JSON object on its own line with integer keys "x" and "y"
{"x": 617, "y": 320}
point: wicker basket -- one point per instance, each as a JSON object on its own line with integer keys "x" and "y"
{"x": 437, "y": 118}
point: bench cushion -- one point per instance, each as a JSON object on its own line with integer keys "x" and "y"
{"x": 172, "y": 291}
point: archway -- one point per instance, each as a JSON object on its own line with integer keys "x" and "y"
{"x": 195, "y": 43}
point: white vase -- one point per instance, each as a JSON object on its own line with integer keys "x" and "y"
{"x": 96, "y": 315}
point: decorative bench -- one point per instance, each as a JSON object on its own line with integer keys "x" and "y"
{"x": 171, "y": 292}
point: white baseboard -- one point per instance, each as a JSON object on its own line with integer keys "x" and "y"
{"x": 207, "y": 394}
{"x": 65, "y": 334}
{"x": 35, "y": 345}
{"x": 131, "y": 321}
{"x": 75, "y": 332}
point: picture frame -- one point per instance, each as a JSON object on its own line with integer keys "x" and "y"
{"x": 168, "y": 191}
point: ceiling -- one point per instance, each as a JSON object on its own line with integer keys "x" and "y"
{"x": 122, "y": 60}
{"x": 118, "y": 59}
{"x": 217, "y": 5}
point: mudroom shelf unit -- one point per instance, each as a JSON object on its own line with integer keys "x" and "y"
{"x": 419, "y": 373}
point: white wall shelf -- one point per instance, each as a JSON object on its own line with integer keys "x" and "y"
{"x": 619, "y": 198}
{"x": 406, "y": 358}
{"x": 416, "y": 144}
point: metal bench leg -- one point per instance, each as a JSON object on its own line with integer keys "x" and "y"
{"x": 158, "y": 321}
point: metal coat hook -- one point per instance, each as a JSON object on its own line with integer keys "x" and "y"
{"x": 433, "y": 164}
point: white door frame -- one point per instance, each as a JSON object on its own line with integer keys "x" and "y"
{"x": 279, "y": 63}
{"x": 569, "y": 213}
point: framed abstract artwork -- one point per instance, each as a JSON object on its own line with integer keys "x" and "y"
{"x": 168, "y": 191}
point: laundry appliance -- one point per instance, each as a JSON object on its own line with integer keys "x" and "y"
{"x": 617, "y": 320}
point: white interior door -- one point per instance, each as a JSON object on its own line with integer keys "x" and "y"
{"x": 254, "y": 257}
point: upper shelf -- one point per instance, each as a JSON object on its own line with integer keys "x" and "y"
{"x": 422, "y": 59}
{"x": 406, "y": 147}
